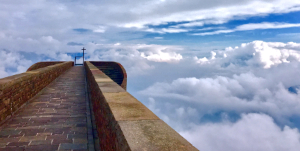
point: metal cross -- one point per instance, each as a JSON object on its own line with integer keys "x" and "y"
{"x": 83, "y": 54}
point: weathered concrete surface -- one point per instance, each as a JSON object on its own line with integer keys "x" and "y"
{"x": 110, "y": 87}
{"x": 53, "y": 120}
{"x": 125, "y": 107}
{"x": 153, "y": 135}
{"x": 124, "y": 123}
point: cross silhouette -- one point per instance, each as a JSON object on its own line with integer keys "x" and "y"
{"x": 83, "y": 54}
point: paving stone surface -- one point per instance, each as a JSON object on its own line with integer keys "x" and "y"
{"x": 54, "y": 120}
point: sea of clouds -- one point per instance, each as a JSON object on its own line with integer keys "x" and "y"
{"x": 239, "y": 98}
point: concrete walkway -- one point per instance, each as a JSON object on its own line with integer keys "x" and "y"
{"x": 54, "y": 120}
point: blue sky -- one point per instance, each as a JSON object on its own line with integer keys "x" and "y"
{"x": 234, "y": 38}
{"x": 223, "y": 74}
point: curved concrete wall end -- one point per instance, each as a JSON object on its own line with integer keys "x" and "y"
{"x": 114, "y": 70}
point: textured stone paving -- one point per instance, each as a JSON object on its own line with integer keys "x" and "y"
{"x": 54, "y": 120}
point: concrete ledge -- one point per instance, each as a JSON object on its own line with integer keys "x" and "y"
{"x": 126, "y": 108}
{"x": 123, "y": 122}
{"x": 18, "y": 89}
{"x": 153, "y": 135}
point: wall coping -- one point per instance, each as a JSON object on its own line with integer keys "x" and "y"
{"x": 43, "y": 64}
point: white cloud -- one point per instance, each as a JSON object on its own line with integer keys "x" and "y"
{"x": 205, "y": 60}
{"x": 57, "y": 18}
{"x": 158, "y": 37}
{"x": 190, "y": 24}
{"x": 100, "y": 29}
{"x": 44, "y": 44}
{"x": 201, "y": 60}
{"x": 12, "y": 63}
{"x": 209, "y": 12}
{"x": 166, "y": 30}
{"x": 64, "y": 57}
{"x": 3, "y": 73}
{"x": 160, "y": 53}
{"x": 173, "y": 30}
{"x": 251, "y": 26}
{"x": 209, "y": 28}
{"x": 17, "y": 62}
{"x": 214, "y": 32}
{"x": 160, "y": 56}
{"x": 136, "y": 58}
{"x": 49, "y": 39}
{"x": 253, "y": 132}
{"x": 256, "y": 53}
{"x": 266, "y": 25}
{"x": 200, "y": 23}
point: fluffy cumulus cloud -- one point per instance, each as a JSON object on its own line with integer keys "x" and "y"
{"x": 241, "y": 93}
{"x": 256, "y": 53}
{"x": 137, "y": 58}
{"x": 12, "y": 63}
{"x": 18, "y": 53}
{"x": 160, "y": 56}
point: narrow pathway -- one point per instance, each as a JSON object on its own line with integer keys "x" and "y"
{"x": 54, "y": 120}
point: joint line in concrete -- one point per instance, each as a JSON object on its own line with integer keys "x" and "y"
{"x": 93, "y": 142}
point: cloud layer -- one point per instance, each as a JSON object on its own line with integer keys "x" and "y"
{"x": 252, "y": 95}
{"x": 253, "y": 132}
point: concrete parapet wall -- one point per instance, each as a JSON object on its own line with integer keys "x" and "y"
{"x": 18, "y": 89}
{"x": 123, "y": 122}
